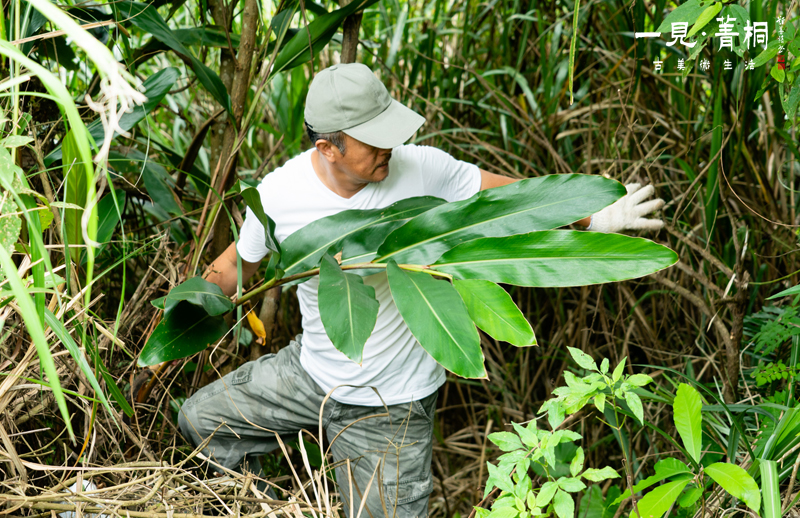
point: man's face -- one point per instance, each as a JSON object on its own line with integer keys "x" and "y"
{"x": 363, "y": 163}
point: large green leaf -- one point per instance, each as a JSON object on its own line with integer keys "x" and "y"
{"x": 438, "y": 318}
{"x": 687, "y": 409}
{"x": 351, "y": 229}
{"x": 541, "y": 203}
{"x": 737, "y": 482}
{"x": 75, "y": 194}
{"x": 770, "y": 488}
{"x": 108, "y": 215}
{"x": 155, "y": 88}
{"x": 794, "y": 290}
{"x": 184, "y": 330}
{"x": 155, "y": 181}
{"x": 686, "y": 12}
{"x": 320, "y": 31}
{"x": 492, "y": 309}
{"x": 563, "y": 505}
{"x": 253, "y": 199}
{"x": 655, "y": 503}
{"x": 208, "y": 36}
{"x": 199, "y": 292}
{"x": 665, "y": 468}
{"x": 347, "y": 307}
{"x": 556, "y": 258}
{"x": 708, "y": 14}
{"x": 146, "y": 18}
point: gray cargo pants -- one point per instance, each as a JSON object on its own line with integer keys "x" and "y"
{"x": 275, "y": 395}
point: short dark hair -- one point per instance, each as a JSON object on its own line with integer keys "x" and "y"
{"x": 336, "y": 138}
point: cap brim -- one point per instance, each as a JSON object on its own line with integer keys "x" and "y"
{"x": 392, "y": 128}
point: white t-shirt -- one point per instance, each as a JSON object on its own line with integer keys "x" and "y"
{"x": 393, "y": 361}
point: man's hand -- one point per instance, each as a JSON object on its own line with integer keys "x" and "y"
{"x": 627, "y": 212}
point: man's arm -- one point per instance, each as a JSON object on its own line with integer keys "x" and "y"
{"x": 222, "y": 271}
{"x": 627, "y": 213}
{"x": 490, "y": 180}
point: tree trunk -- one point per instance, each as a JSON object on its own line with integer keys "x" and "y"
{"x": 227, "y": 158}
{"x": 227, "y": 68}
{"x": 350, "y": 37}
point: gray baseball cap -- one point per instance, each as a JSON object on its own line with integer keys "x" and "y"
{"x": 349, "y": 98}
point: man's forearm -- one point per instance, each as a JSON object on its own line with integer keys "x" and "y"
{"x": 222, "y": 271}
{"x": 491, "y": 180}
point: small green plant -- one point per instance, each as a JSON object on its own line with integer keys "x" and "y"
{"x": 615, "y": 396}
{"x": 517, "y": 497}
{"x": 687, "y": 485}
{"x": 770, "y": 372}
{"x": 512, "y": 474}
{"x": 771, "y": 332}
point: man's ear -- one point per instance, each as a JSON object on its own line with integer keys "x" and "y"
{"x": 328, "y": 150}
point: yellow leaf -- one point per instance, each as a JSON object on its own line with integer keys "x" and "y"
{"x": 257, "y": 326}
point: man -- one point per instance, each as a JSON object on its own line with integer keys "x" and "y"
{"x": 358, "y": 162}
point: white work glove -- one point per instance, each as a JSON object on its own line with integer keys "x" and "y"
{"x": 627, "y": 212}
{"x": 87, "y": 486}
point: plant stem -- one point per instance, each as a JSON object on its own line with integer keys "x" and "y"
{"x": 626, "y": 461}
{"x": 359, "y": 266}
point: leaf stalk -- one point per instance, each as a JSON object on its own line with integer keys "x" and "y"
{"x": 315, "y": 271}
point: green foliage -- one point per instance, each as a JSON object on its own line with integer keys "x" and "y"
{"x": 598, "y": 386}
{"x": 319, "y": 32}
{"x": 595, "y": 505}
{"x": 185, "y": 329}
{"x": 493, "y": 310}
{"x": 109, "y": 211}
{"x": 528, "y": 446}
{"x": 776, "y": 327}
{"x": 555, "y": 258}
{"x": 347, "y": 307}
{"x": 668, "y": 468}
{"x": 434, "y": 311}
{"x": 683, "y": 484}
{"x": 192, "y": 320}
{"x": 75, "y": 197}
{"x": 687, "y": 12}
{"x": 770, "y": 488}
{"x": 658, "y": 501}
{"x": 356, "y": 233}
{"x": 199, "y": 292}
{"x": 252, "y": 197}
{"x": 737, "y": 482}
{"x": 541, "y": 203}
{"x": 146, "y": 18}
{"x": 688, "y": 419}
{"x": 10, "y": 221}
{"x": 438, "y": 318}
{"x": 771, "y": 372}
{"x": 155, "y": 87}
{"x": 708, "y": 14}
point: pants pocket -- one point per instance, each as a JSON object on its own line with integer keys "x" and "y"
{"x": 425, "y": 407}
{"x": 244, "y": 374}
{"x": 406, "y": 491}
